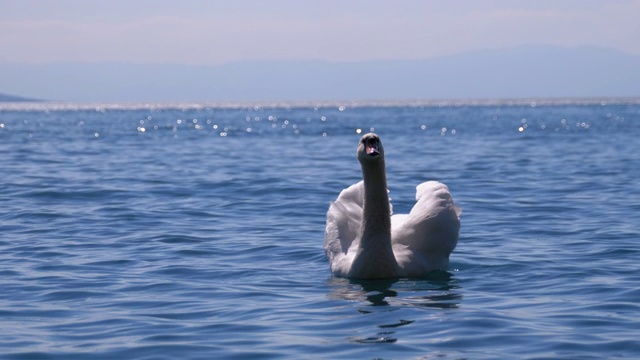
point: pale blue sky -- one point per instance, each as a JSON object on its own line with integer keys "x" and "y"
{"x": 218, "y": 32}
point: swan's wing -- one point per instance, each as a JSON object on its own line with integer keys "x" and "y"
{"x": 430, "y": 230}
{"x": 431, "y": 187}
{"x": 344, "y": 219}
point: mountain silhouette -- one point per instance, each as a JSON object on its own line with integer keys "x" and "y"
{"x": 524, "y": 71}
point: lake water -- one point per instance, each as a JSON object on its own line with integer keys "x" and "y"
{"x": 195, "y": 232}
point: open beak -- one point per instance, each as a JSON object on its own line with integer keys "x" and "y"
{"x": 371, "y": 148}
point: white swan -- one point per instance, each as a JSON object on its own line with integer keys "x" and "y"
{"x": 363, "y": 240}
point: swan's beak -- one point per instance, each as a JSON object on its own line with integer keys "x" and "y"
{"x": 372, "y": 149}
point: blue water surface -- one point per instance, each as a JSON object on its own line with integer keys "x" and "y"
{"x": 196, "y": 231}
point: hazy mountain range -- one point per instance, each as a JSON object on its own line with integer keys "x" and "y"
{"x": 13, "y": 98}
{"x": 520, "y": 72}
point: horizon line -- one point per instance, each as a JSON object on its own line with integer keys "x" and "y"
{"x": 44, "y": 105}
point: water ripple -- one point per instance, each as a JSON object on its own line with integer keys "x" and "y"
{"x": 178, "y": 242}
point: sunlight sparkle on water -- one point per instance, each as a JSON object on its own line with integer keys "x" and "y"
{"x": 62, "y": 162}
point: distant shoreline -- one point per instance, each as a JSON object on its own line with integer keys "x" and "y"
{"x": 6, "y": 98}
{"x": 39, "y": 105}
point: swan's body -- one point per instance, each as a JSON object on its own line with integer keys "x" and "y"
{"x": 364, "y": 241}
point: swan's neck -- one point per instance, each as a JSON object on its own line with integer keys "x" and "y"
{"x": 376, "y": 224}
{"x": 375, "y": 258}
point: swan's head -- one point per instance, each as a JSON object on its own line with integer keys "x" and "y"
{"x": 370, "y": 148}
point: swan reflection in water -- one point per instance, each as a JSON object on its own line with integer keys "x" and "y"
{"x": 439, "y": 290}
